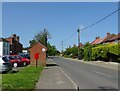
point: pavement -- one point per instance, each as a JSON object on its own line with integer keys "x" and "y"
{"x": 53, "y": 77}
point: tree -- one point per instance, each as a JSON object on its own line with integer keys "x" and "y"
{"x": 87, "y": 44}
{"x": 87, "y": 51}
{"x": 71, "y": 52}
{"x": 32, "y": 42}
{"x": 42, "y": 37}
{"x": 25, "y": 48}
{"x": 51, "y": 50}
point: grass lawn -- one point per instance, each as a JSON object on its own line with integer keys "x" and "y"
{"x": 26, "y": 78}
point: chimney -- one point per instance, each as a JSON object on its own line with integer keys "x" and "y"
{"x": 108, "y": 33}
{"x": 18, "y": 38}
{"x": 97, "y": 37}
{"x": 14, "y": 37}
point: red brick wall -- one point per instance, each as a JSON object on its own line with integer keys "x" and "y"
{"x": 42, "y": 55}
{"x": 9, "y": 39}
{"x": 15, "y": 46}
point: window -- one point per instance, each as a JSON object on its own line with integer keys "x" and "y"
{"x": 3, "y": 51}
{"x": 5, "y": 59}
{"x": 116, "y": 41}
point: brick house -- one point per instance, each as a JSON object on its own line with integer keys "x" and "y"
{"x": 41, "y": 50}
{"x": 15, "y": 46}
{"x": 96, "y": 41}
{"x": 81, "y": 45}
{"x": 107, "y": 39}
{"x": 4, "y": 47}
{"x": 116, "y": 39}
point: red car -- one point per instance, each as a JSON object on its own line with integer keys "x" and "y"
{"x": 18, "y": 60}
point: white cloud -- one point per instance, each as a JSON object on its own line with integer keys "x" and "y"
{"x": 81, "y": 27}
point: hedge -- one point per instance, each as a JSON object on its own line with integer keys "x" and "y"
{"x": 114, "y": 49}
{"x": 99, "y": 53}
{"x": 104, "y": 51}
{"x": 87, "y": 53}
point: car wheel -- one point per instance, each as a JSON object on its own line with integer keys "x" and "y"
{"x": 15, "y": 65}
{"x": 24, "y": 63}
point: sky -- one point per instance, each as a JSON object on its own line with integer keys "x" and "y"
{"x": 61, "y": 19}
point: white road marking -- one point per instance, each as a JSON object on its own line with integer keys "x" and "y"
{"x": 69, "y": 78}
{"x": 101, "y": 73}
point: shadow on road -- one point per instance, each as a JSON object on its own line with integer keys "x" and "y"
{"x": 48, "y": 65}
{"x": 108, "y": 88}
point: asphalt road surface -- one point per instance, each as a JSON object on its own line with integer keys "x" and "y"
{"x": 88, "y": 76}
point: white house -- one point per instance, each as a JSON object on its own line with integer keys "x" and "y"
{"x": 4, "y": 47}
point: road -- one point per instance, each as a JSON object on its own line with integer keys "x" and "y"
{"x": 88, "y": 76}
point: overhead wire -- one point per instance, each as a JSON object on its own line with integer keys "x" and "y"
{"x": 92, "y": 24}
{"x": 100, "y": 20}
{"x": 70, "y": 37}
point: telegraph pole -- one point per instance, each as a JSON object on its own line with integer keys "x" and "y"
{"x": 78, "y": 43}
{"x": 45, "y": 37}
{"x": 62, "y": 47}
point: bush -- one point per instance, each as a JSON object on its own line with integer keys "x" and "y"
{"x": 114, "y": 49}
{"x": 99, "y": 53}
{"x": 106, "y": 52}
{"x": 87, "y": 53}
{"x": 71, "y": 52}
{"x": 82, "y": 53}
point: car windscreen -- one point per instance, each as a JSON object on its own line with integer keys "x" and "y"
{"x": 5, "y": 59}
{"x": 25, "y": 56}
{"x": 11, "y": 57}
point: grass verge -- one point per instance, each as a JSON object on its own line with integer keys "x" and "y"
{"x": 24, "y": 79}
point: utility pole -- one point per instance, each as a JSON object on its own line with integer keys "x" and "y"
{"x": 62, "y": 47}
{"x": 78, "y": 43}
{"x": 45, "y": 37}
{"x": 45, "y": 42}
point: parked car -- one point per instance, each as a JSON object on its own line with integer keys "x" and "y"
{"x": 13, "y": 61}
{"x": 17, "y": 60}
{"x": 24, "y": 61}
{"x": 24, "y": 55}
{"x": 5, "y": 65}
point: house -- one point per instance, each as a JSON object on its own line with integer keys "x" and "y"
{"x": 80, "y": 45}
{"x": 39, "y": 49}
{"x": 4, "y": 47}
{"x": 116, "y": 39}
{"x": 15, "y": 46}
{"x": 107, "y": 38}
{"x": 96, "y": 41}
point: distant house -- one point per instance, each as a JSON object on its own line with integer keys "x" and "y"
{"x": 107, "y": 38}
{"x": 15, "y": 46}
{"x": 116, "y": 39}
{"x": 4, "y": 47}
{"x": 80, "y": 45}
{"x": 41, "y": 50}
{"x": 96, "y": 41}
